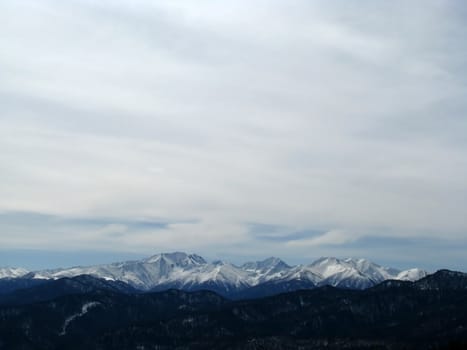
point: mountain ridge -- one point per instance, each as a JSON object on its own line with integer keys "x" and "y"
{"x": 192, "y": 272}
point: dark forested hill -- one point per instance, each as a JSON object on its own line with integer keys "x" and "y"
{"x": 428, "y": 314}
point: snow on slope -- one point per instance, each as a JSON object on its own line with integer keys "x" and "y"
{"x": 143, "y": 274}
{"x": 84, "y": 310}
{"x": 411, "y": 275}
{"x": 12, "y": 272}
{"x": 266, "y": 270}
{"x": 191, "y": 272}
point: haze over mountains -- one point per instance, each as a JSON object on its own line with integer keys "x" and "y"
{"x": 191, "y": 272}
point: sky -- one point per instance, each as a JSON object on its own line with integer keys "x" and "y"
{"x": 235, "y": 130}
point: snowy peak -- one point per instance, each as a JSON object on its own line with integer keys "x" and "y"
{"x": 411, "y": 275}
{"x": 329, "y": 266}
{"x": 176, "y": 259}
{"x": 303, "y": 273}
{"x": 270, "y": 269}
{"x": 12, "y": 272}
{"x": 374, "y": 271}
{"x": 363, "y": 265}
{"x": 192, "y": 272}
{"x": 350, "y": 273}
{"x": 359, "y": 273}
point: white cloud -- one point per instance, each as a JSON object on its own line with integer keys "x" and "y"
{"x": 333, "y": 237}
{"x": 300, "y": 115}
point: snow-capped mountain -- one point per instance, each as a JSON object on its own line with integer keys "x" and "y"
{"x": 191, "y": 272}
{"x": 351, "y": 273}
{"x": 266, "y": 270}
{"x": 12, "y": 272}
{"x": 143, "y": 274}
{"x": 411, "y": 275}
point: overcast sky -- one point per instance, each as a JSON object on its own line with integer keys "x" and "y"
{"x": 235, "y": 130}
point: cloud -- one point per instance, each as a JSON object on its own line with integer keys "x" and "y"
{"x": 29, "y": 230}
{"x": 207, "y": 117}
{"x": 334, "y": 237}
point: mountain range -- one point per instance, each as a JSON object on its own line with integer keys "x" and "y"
{"x": 191, "y": 272}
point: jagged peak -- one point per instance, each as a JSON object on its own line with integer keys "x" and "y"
{"x": 274, "y": 261}
{"x": 7, "y": 272}
{"x": 177, "y": 258}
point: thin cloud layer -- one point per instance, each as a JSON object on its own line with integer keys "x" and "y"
{"x": 324, "y": 124}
